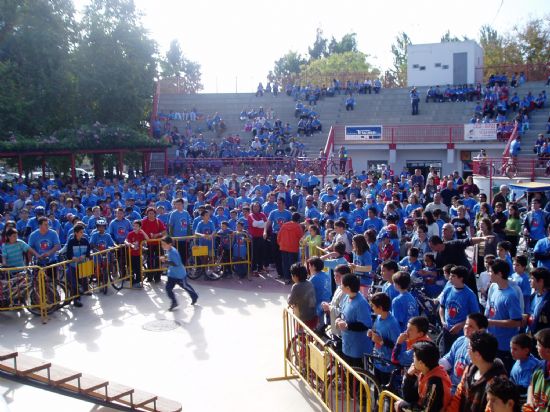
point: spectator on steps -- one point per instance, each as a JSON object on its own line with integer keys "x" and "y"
{"x": 414, "y": 101}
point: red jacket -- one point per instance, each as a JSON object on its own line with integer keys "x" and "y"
{"x": 256, "y": 231}
{"x": 289, "y": 237}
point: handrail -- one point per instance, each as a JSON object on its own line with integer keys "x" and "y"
{"x": 329, "y": 145}
{"x": 513, "y": 137}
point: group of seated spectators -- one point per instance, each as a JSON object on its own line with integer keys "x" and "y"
{"x": 516, "y": 80}
{"x": 313, "y": 93}
{"x": 457, "y": 93}
{"x": 407, "y": 231}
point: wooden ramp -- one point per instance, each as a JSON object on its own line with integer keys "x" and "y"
{"x": 39, "y": 373}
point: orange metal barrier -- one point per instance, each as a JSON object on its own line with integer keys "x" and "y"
{"x": 21, "y": 288}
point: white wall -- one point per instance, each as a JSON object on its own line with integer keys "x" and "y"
{"x": 428, "y": 55}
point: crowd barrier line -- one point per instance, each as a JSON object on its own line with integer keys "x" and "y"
{"x": 335, "y": 384}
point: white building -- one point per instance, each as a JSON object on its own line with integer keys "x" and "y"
{"x": 444, "y": 63}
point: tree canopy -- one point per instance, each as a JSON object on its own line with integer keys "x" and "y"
{"x": 186, "y": 72}
{"x": 59, "y": 73}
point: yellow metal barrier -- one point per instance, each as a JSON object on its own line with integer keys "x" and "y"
{"x": 387, "y": 400}
{"x": 218, "y": 253}
{"x": 21, "y": 288}
{"x": 330, "y": 379}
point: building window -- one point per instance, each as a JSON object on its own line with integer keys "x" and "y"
{"x": 422, "y": 67}
{"x": 415, "y": 66}
{"x": 438, "y": 65}
{"x": 445, "y": 67}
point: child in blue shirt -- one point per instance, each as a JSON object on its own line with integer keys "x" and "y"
{"x": 321, "y": 283}
{"x": 362, "y": 257}
{"x": 241, "y": 242}
{"x": 433, "y": 283}
{"x": 410, "y": 263}
{"x": 177, "y": 275}
{"x": 224, "y": 238}
{"x": 503, "y": 252}
{"x": 526, "y": 363}
{"x": 521, "y": 278}
{"x": 389, "y": 268}
{"x": 403, "y": 306}
{"x": 384, "y": 334}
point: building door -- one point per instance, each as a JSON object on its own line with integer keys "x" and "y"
{"x": 460, "y": 68}
{"x": 424, "y": 166}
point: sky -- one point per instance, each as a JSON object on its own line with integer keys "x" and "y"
{"x": 236, "y": 42}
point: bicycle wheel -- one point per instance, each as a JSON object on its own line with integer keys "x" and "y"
{"x": 214, "y": 273}
{"x": 115, "y": 277}
{"x": 55, "y": 296}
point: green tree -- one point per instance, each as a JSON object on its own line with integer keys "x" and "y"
{"x": 288, "y": 66}
{"x": 348, "y": 43}
{"x": 399, "y": 50}
{"x": 447, "y": 38}
{"x": 319, "y": 47}
{"x": 116, "y": 64}
{"x": 36, "y": 38}
{"x": 498, "y": 49}
{"x": 349, "y": 65}
{"x": 533, "y": 40}
{"x": 186, "y": 72}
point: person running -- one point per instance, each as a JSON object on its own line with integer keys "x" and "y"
{"x": 177, "y": 275}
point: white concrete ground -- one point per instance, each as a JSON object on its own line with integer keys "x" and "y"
{"x": 216, "y": 359}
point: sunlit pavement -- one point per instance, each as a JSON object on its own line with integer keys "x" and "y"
{"x": 215, "y": 357}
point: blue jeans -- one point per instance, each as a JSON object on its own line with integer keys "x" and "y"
{"x": 172, "y": 282}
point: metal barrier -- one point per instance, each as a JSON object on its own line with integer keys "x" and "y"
{"x": 507, "y": 167}
{"x": 330, "y": 379}
{"x": 212, "y": 257}
{"x": 307, "y": 251}
{"x": 386, "y": 401}
{"x": 21, "y": 288}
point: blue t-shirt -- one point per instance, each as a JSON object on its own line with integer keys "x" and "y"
{"x": 180, "y": 223}
{"x": 390, "y": 290}
{"x": 543, "y": 246}
{"x": 537, "y": 224}
{"x": 503, "y": 305}
{"x": 323, "y": 290}
{"x": 387, "y": 329}
{"x": 277, "y": 218}
{"x": 458, "y": 304}
{"x": 522, "y": 280}
{"x": 411, "y": 266}
{"x": 522, "y": 371}
{"x": 355, "y": 344}
{"x": 205, "y": 228}
{"x": 43, "y": 243}
{"x": 404, "y": 307}
{"x": 175, "y": 266}
{"x": 119, "y": 229}
{"x": 101, "y": 241}
{"x": 363, "y": 260}
{"x": 459, "y": 359}
{"x": 375, "y": 223}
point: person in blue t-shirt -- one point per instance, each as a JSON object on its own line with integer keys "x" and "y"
{"x": 403, "y": 306}
{"x": 526, "y": 363}
{"x": 177, "y": 275}
{"x": 321, "y": 283}
{"x": 275, "y": 220}
{"x": 384, "y": 334}
{"x": 354, "y": 322}
{"x": 119, "y": 227}
{"x": 101, "y": 240}
{"x": 456, "y": 360}
{"x": 373, "y": 221}
{"x": 535, "y": 223}
{"x": 521, "y": 278}
{"x": 410, "y": 263}
{"x": 457, "y": 302}
{"x": 388, "y": 269}
{"x": 542, "y": 251}
{"x": 362, "y": 258}
{"x": 179, "y": 222}
{"x": 45, "y": 242}
{"x": 503, "y": 310}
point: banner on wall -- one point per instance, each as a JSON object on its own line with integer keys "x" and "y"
{"x": 363, "y": 133}
{"x": 480, "y": 131}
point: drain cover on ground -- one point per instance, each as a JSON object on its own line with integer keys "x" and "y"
{"x": 161, "y": 325}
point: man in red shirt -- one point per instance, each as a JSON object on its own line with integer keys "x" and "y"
{"x": 134, "y": 240}
{"x": 288, "y": 239}
{"x": 155, "y": 229}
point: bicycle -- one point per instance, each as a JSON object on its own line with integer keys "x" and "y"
{"x": 200, "y": 255}
{"x": 427, "y": 307}
{"x": 509, "y": 169}
{"x": 107, "y": 272}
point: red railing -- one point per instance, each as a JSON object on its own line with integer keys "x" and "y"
{"x": 530, "y": 168}
{"x": 396, "y": 134}
{"x": 512, "y": 137}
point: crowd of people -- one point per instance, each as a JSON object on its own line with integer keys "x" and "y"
{"x": 398, "y": 231}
